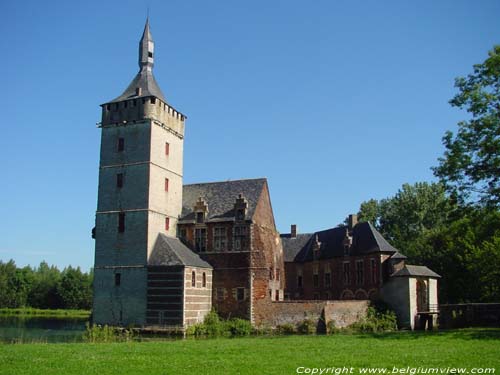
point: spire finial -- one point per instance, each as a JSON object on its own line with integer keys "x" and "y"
{"x": 146, "y": 48}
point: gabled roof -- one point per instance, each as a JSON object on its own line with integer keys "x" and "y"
{"x": 410, "y": 270}
{"x": 292, "y": 245}
{"x": 170, "y": 251}
{"x": 398, "y": 255}
{"x": 365, "y": 240}
{"x": 220, "y": 198}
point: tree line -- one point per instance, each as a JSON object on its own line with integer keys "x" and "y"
{"x": 453, "y": 225}
{"x": 44, "y": 287}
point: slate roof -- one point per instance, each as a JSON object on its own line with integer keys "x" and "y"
{"x": 220, "y": 198}
{"x": 292, "y": 245}
{"x": 148, "y": 85}
{"x": 366, "y": 240}
{"x": 410, "y": 270}
{"x": 170, "y": 251}
{"x": 398, "y": 255}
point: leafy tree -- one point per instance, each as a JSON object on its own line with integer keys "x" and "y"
{"x": 470, "y": 166}
{"x": 74, "y": 289}
{"x": 43, "y": 293}
{"x": 413, "y": 211}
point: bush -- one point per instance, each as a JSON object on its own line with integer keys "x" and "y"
{"x": 213, "y": 325}
{"x": 376, "y": 321}
{"x": 331, "y": 328}
{"x": 96, "y": 333}
{"x": 306, "y": 327}
{"x": 239, "y": 327}
{"x": 286, "y": 329}
{"x": 198, "y": 329}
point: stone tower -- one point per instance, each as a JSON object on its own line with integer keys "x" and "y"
{"x": 140, "y": 191}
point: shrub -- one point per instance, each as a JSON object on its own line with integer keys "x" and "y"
{"x": 96, "y": 333}
{"x": 376, "y": 321}
{"x": 198, "y": 329}
{"x": 331, "y": 328}
{"x": 286, "y": 329}
{"x": 213, "y": 325}
{"x": 306, "y": 327}
{"x": 239, "y": 327}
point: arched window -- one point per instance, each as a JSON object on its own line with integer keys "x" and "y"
{"x": 193, "y": 279}
{"x": 204, "y": 280}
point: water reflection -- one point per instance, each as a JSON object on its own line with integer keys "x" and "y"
{"x": 41, "y": 329}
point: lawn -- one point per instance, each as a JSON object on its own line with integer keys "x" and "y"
{"x": 479, "y": 348}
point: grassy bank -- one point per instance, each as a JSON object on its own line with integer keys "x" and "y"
{"x": 259, "y": 355}
{"x": 31, "y": 312}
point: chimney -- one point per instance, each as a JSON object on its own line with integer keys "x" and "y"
{"x": 353, "y": 220}
{"x": 293, "y": 231}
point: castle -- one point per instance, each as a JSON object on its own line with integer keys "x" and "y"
{"x": 167, "y": 253}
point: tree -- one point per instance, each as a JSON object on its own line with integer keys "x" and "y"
{"x": 470, "y": 166}
{"x": 74, "y": 289}
{"x": 404, "y": 218}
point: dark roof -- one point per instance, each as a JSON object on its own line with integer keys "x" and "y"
{"x": 220, "y": 197}
{"x": 398, "y": 255}
{"x": 365, "y": 240}
{"x": 292, "y": 245}
{"x": 409, "y": 270}
{"x": 170, "y": 251}
{"x": 148, "y": 85}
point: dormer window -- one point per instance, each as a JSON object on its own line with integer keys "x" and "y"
{"x": 200, "y": 217}
{"x": 240, "y": 214}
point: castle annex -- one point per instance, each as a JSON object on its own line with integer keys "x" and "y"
{"x": 167, "y": 253}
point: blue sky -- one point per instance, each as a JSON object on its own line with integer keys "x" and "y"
{"x": 335, "y": 102}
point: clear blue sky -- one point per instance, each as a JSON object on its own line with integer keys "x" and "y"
{"x": 335, "y": 102}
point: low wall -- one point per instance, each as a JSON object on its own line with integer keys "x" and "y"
{"x": 469, "y": 315}
{"x": 343, "y": 312}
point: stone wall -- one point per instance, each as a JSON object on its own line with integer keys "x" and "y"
{"x": 343, "y": 313}
{"x": 469, "y": 315}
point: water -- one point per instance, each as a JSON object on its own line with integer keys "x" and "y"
{"x": 41, "y": 329}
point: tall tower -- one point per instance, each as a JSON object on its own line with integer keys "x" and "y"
{"x": 139, "y": 194}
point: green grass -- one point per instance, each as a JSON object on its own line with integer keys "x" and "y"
{"x": 32, "y": 312}
{"x": 258, "y": 355}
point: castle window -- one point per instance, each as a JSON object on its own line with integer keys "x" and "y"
{"x": 346, "y": 273}
{"x": 118, "y": 279}
{"x": 134, "y": 102}
{"x": 316, "y": 280}
{"x": 277, "y": 274}
{"x": 240, "y": 237}
{"x": 328, "y": 279}
{"x": 327, "y": 295}
{"x": 153, "y": 100}
{"x": 277, "y": 294}
{"x": 200, "y": 237}
{"x": 240, "y": 294}
{"x": 200, "y": 217}
{"x": 359, "y": 272}
{"x": 121, "y": 222}
{"x": 150, "y": 54}
{"x": 204, "y": 280}
{"x": 220, "y": 239}
{"x": 108, "y": 107}
{"x": 167, "y": 223}
{"x": 299, "y": 281}
{"x": 182, "y": 234}
{"x": 271, "y": 273}
{"x": 167, "y": 148}
{"x": 125, "y": 104}
{"x": 119, "y": 180}
{"x": 166, "y": 184}
{"x": 373, "y": 267}
{"x": 193, "y": 279}
{"x": 121, "y": 144}
{"x": 219, "y": 294}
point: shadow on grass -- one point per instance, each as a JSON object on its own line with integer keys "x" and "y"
{"x": 460, "y": 334}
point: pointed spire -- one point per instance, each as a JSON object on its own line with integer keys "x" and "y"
{"x": 146, "y": 49}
